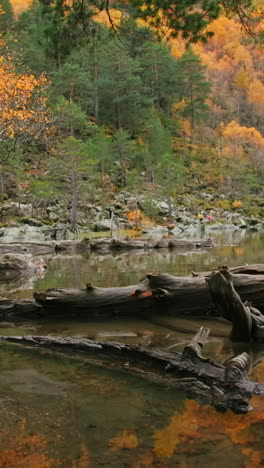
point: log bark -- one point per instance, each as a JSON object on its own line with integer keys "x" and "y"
{"x": 224, "y": 387}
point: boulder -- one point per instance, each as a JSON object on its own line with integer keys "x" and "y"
{"x": 24, "y": 233}
{"x": 157, "y": 231}
{"x": 53, "y": 216}
{"x": 33, "y": 222}
{"x": 176, "y": 231}
{"x": 104, "y": 225}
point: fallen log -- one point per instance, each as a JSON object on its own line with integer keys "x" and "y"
{"x": 107, "y": 244}
{"x": 156, "y": 293}
{"x": 255, "y": 269}
{"x": 223, "y": 386}
{"x": 175, "y": 295}
{"x": 35, "y": 248}
{"x": 19, "y": 309}
{"x": 169, "y": 242}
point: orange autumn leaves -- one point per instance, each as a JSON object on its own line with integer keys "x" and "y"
{"x": 22, "y": 101}
{"x": 238, "y": 139}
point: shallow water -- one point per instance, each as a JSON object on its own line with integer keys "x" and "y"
{"x": 74, "y": 412}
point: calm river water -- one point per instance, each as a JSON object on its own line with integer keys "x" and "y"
{"x": 73, "y": 412}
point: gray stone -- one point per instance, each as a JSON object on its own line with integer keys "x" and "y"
{"x": 104, "y": 225}
{"x": 25, "y": 209}
{"x": 16, "y": 209}
{"x": 22, "y": 234}
{"x": 157, "y": 231}
{"x": 53, "y": 216}
{"x": 175, "y": 231}
{"x": 33, "y": 222}
{"x": 221, "y": 227}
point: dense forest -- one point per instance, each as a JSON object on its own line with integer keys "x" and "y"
{"x": 98, "y": 102}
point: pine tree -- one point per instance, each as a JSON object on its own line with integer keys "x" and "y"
{"x": 122, "y": 151}
{"x": 194, "y": 88}
{"x": 6, "y": 16}
{"x": 158, "y": 144}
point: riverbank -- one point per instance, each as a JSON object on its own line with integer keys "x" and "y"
{"x": 127, "y": 216}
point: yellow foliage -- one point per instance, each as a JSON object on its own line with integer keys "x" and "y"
{"x": 20, "y": 5}
{"x": 234, "y": 131}
{"x": 237, "y": 204}
{"x": 104, "y": 18}
{"x": 177, "y": 46}
{"x": 134, "y": 216}
{"x": 23, "y": 105}
{"x": 186, "y": 127}
{"x": 256, "y": 92}
{"x": 241, "y": 79}
{"x": 224, "y": 28}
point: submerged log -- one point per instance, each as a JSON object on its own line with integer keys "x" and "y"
{"x": 19, "y": 309}
{"x": 35, "y": 248}
{"x": 107, "y": 244}
{"x": 224, "y": 387}
{"x": 169, "y": 242}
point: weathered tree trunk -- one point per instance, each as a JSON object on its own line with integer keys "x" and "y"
{"x": 222, "y": 386}
{"x": 247, "y": 321}
{"x": 36, "y": 248}
{"x": 161, "y": 293}
{"x": 255, "y": 269}
{"x": 19, "y": 309}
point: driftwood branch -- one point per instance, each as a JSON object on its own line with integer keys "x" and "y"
{"x": 224, "y": 387}
{"x": 247, "y": 321}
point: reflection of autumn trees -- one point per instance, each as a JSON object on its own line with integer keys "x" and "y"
{"x": 126, "y": 439}
{"x": 204, "y": 423}
{"x": 24, "y": 450}
{"x": 84, "y": 459}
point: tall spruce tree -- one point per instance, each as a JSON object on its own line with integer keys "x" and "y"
{"x": 6, "y": 16}
{"x": 194, "y": 88}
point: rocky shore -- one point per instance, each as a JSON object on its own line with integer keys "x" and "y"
{"x": 22, "y": 222}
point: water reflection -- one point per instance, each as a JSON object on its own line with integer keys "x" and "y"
{"x": 68, "y": 412}
{"x": 120, "y": 269}
{"x": 73, "y": 413}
